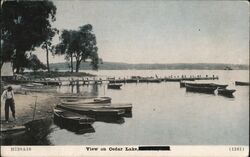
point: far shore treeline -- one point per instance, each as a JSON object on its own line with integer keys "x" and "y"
{"x": 27, "y": 25}
{"x": 174, "y": 66}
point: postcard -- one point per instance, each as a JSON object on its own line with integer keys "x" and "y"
{"x": 124, "y": 78}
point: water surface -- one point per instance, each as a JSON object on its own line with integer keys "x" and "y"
{"x": 165, "y": 114}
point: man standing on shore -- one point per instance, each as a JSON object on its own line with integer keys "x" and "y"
{"x": 8, "y": 98}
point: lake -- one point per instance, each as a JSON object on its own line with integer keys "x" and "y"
{"x": 165, "y": 114}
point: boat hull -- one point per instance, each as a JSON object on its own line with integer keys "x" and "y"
{"x": 114, "y": 86}
{"x": 239, "y": 83}
{"x": 93, "y": 112}
{"x": 77, "y": 126}
{"x": 209, "y": 85}
{"x": 126, "y": 107}
{"x": 226, "y": 92}
{"x": 67, "y": 117}
{"x": 79, "y": 101}
{"x": 207, "y": 90}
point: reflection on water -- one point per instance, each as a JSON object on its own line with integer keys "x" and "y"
{"x": 110, "y": 119}
{"x": 77, "y": 129}
{"x": 87, "y": 90}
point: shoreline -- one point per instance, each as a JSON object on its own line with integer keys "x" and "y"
{"x": 24, "y": 106}
{"x": 54, "y": 74}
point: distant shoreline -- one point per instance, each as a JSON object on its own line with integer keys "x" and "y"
{"x": 172, "y": 66}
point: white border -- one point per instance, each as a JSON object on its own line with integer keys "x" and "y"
{"x": 76, "y": 151}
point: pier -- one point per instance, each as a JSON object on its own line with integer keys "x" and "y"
{"x": 98, "y": 81}
{"x": 138, "y": 79}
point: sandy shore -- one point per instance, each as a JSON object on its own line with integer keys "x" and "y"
{"x": 25, "y": 104}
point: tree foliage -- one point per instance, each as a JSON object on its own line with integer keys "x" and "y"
{"x": 24, "y": 26}
{"x": 79, "y": 44}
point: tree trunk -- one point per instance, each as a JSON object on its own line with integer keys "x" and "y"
{"x": 18, "y": 61}
{"x": 77, "y": 65}
{"x": 18, "y": 70}
{"x": 47, "y": 56}
{"x": 1, "y": 65}
{"x": 71, "y": 59}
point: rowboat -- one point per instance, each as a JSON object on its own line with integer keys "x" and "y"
{"x": 73, "y": 95}
{"x": 121, "y": 106}
{"x": 173, "y": 79}
{"x": 85, "y": 100}
{"x": 226, "y": 92}
{"x": 208, "y": 90}
{"x": 213, "y": 85}
{"x": 183, "y": 83}
{"x": 239, "y": 83}
{"x": 47, "y": 90}
{"x": 67, "y": 117}
{"x": 114, "y": 86}
{"x": 49, "y": 82}
{"x": 32, "y": 85}
{"x": 150, "y": 80}
{"x": 92, "y": 112}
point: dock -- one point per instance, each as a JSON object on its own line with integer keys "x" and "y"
{"x": 89, "y": 81}
{"x": 99, "y": 81}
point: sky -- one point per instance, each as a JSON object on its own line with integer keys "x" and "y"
{"x": 157, "y": 31}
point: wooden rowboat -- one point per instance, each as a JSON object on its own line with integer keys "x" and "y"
{"x": 67, "y": 117}
{"x": 226, "y": 92}
{"x": 212, "y": 85}
{"x": 93, "y": 112}
{"x": 208, "y": 90}
{"x": 93, "y": 100}
{"x": 40, "y": 90}
{"x": 123, "y": 106}
{"x": 114, "y": 86}
{"x": 239, "y": 83}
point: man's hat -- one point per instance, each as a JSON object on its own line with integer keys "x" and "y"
{"x": 9, "y": 88}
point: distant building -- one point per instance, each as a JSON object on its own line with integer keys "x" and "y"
{"x": 6, "y": 71}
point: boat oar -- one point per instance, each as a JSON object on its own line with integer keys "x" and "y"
{"x": 34, "y": 111}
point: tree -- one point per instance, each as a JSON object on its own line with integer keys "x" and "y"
{"x": 47, "y": 45}
{"x": 24, "y": 26}
{"x": 63, "y": 47}
{"x": 80, "y": 45}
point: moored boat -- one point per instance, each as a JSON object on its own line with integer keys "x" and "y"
{"x": 150, "y": 80}
{"x": 240, "y": 83}
{"x": 127, "y": 107}
{"x": 93, "y": 112}
{"x": 49, "y": 82}
{"x": 226, "y": 92}
{"x": 85, "y": 100}
{"x": 49, "y": 90}
{"x": 114, "y": 86}
{"x": 212, "y": 85}
{"x": 66, "y": 117}
{"x": 208, "y": 90}
{"x": 73, "y": 96}
{"x": 32, "y": 85}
